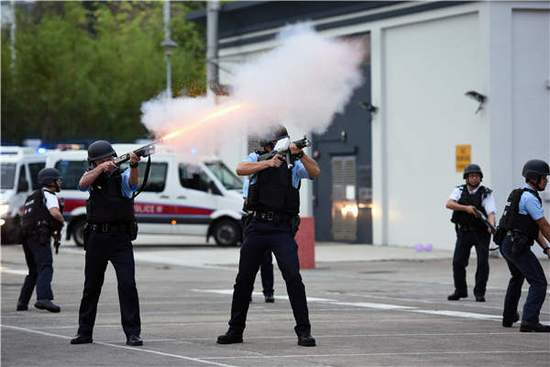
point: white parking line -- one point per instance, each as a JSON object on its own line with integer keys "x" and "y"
{"x": 116, "y": 346}
{"x": 13, "y": 271}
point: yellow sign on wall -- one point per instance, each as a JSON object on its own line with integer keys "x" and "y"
{"x": 463, "y": 156}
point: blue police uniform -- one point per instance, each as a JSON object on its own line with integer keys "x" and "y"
{"x": 266, "y": 234}
{"x": 524, "y": 265}
{"x": 109, "y": 240}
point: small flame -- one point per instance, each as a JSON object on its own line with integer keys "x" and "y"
{"x": 199, "y": 123}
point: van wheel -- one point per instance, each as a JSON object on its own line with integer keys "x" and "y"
{"x": 78, "y": 232}
{"x": 227, "y": 232}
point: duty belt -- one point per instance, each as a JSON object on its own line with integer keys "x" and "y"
{"x": 270, "y": 216}
{"x": 109, "y": 227}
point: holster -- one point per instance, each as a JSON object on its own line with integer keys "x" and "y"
{"x": 86, "y": 235}
{"x": 294, "y": 225}
{"x": 245, "y": 220}
{"x": 133, "y": 230}
{"x": 520, "y": 243}
{"x": 44, "y": 234}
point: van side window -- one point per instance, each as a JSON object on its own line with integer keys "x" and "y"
{"x": 71, "y": 172}
{"x": 22, "y": 181}
{"x": 157, "y": 176}
{"x": 34, "y": 168}
{"x": 192, "y": 177}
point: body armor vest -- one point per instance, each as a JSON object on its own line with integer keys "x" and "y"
{"x": 273, "y": 191}
{"x": 475, "y": 199}
{"x": 513, "y": 221}
{"x": 107, "y": 204}
{"x": 36, "y": 213}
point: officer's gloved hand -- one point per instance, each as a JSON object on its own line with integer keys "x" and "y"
{"x": 276, "y": 161}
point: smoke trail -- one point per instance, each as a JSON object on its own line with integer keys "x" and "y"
{"x": 303, "y": 82}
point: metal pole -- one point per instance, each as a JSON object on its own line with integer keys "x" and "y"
{"x": 167, "y": 54}
{"x": 212, "y": 44}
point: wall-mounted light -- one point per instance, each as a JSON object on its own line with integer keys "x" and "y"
{"x": 368, "y": 106}
{"x": 476, "y": 96}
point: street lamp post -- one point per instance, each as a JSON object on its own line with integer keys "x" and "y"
{"x": 168, "y": 45}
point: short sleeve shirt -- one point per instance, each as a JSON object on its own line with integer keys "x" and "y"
{"x": 529, "y": 204}
{"x": 51, "y": 200}
{"x": 488, "y": 203}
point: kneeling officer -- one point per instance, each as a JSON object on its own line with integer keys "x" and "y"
{"x": 41, "y": 218}
{"x": 523, "y": 223}
{"x": 111, "y": 228}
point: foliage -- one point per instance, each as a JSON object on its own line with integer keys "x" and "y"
{"x": 83, "y": 69}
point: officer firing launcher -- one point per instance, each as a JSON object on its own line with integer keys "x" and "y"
{"x": 283, "y": 147}
{"x": 144, "y": 151}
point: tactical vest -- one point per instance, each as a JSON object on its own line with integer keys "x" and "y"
{"x": 273, "y": 191}
{"x": 475, "y": 199}
{"x": 511, "y": 220}
{"x": 107, "y": 204}
{"x": 36, "y": 213}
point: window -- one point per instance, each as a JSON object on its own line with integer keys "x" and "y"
{"x": 22, "y": 183}
{"x": 8, "y": 175}
{"x": 228, "y": 179}
{"x": 71, "y": 172}
{"x": 192, "y": 177}
{"x": 34, "y": 168}
{"x": 157, "y": 176}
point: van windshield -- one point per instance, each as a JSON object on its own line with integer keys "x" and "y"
{"x": 228, "y": 179}
{"x": 8, "y": 176}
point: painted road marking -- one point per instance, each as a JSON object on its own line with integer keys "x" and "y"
{"x": 116, "y": 346}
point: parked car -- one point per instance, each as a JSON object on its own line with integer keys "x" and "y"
{"x": 20, "y": 167}
{"x": 180, "y": 197}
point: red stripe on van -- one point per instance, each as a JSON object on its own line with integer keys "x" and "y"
{"x": 147, "y": 208}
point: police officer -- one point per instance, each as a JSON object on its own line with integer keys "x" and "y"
{"x": 471, "y": 231}
{"x": 111, "y": 228}
{"x": 274, "y": 201}
{"x": 42, "y": 216}
{"x": 523, "y": 223}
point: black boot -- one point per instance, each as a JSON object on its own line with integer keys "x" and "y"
{"x": 534, "y": 327}
{"x": 134, "y": 341}
{"x": 509, "y": 323}
{"x": 456, "y": 296}
{"x": 46, "y": 304}
{"x": 81, "y": 339}
{"x": 480, "y": 298}
{"x": 231, "y": 337}
{"x": 22, "y": 307}
{"x": 269, "y": 298}
{"x": 306, "y": 340}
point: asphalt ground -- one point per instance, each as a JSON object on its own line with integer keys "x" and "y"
{"x": 363, "y": 313}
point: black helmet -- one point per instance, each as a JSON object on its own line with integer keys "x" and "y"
{"x": 47, "y": 176}
{"x": 276, "y": 133}
{"x": 535, "y": 168}
{"x": 472, "y": 168}
{"x": 100, "y": 149}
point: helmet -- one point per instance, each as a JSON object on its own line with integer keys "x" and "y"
{"x": 47, "y": 176}
{"x": 276, "y": 133}
{"x": 472, "y": 168}
{"x": 535, "y": 168}
{"x": 100, "y": 149}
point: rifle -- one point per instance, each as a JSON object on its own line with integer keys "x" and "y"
{"x": 144, "y": 151}
{"x": 485, "y": 220}
{"x": 283, "y": 147}
{"x": 56, "y": 241}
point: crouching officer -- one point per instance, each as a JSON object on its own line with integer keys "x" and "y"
{"x": 522, "y": 224}
{"x": 471, "y": 231}
{"x": 41, "y": 218}
{"x": 274, "y": 201}
{"x": 111, "y": 228}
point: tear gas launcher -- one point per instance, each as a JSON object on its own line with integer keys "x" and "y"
{"x": 282, "y": 146}
{"x": 144, "y": 151}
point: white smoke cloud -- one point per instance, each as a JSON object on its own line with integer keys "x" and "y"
{"x": 303, "y": 82}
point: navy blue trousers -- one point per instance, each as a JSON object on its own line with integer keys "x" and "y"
{"x": 38, "y": 257}
{"x": 464, "y": 242}
{"x": 261, "y": 237}
{"x": 266, "y": 272}
{"x": 523, "y": 266}
{"x": 100, "y": 249}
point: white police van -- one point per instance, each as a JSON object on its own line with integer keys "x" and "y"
{"x": 180, "y": 198}
{"x": 20, "y": 167}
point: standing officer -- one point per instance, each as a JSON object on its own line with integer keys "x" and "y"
{"x": 274, "y": 202}
{"x": 471, "y": 231}
{"x": 42, "y": 217}
{"x": 522, "y": 223}
{"x": 111, "y": 228}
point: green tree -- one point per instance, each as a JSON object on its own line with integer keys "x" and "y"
{"x": 84, "y": 69}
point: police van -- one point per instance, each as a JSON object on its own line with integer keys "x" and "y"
{"x": 20, "y": 167}
{"x": 180, "y": 198}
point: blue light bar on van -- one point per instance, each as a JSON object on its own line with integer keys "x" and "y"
{"x": 41, "y": 150}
